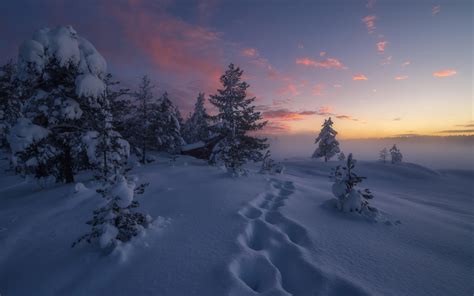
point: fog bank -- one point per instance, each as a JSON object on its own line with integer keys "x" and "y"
{"x": 455, "y": 152}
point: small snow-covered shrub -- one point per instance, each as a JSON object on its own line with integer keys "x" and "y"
{"x": 383, "y": 155}
{"x": 116, "y": 221}
{"x": 349, "y": 199}
{"x": 270, "y": 166}
{"x": 396, "y": 154}
{"x": 341, "y": 156}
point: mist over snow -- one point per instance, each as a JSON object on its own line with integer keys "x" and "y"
{"x": 433, "y": 152}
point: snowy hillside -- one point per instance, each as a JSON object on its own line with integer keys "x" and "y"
{"x": 256, "y": 235}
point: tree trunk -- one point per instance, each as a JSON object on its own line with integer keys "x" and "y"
{"x": 66, "y": 166}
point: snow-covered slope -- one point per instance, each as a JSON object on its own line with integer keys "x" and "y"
{"x": 255, "y": 235}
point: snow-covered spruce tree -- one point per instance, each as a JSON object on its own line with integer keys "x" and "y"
{"x": 117, "y": 221}
{"x": 63, "y": 75}
{"x": 142, "y": 135}
{"x": 236, "y": 118}
{"x": 166, "y": 128}
{"x": 341, "y": 156}
{"x": 383, "y": 155}
{"x": 10, "y": 102}
{"x": 396, "y": 154}
{"x": 328, "y": 145}
{"x": 348, "y": 198}
{"x": 196, "y": 127}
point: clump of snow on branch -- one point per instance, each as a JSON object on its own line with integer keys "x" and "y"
{"x": 64, "y": 46}
{"x": 23, "y": 134}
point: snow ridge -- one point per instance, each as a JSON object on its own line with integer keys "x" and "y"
{"x": 275, "y": 258}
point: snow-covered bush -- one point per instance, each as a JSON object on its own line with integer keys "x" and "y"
{"x": 270, "y": 166}
{"x": 328, "y": 145}
{"x": 349, "y": 199}
{"x": 383, "y": 155}
{"x": 236, "y": 118}
{"x": 117, "y": 221}
{"x": 396, "y": 154}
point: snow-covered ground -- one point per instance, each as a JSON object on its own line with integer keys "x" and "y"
{"x": 255, "y": 235}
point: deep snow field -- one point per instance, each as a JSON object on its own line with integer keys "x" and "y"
{"x": 254, "y": 235}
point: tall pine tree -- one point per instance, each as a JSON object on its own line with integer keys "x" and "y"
{"x": 142, "y": 131}
{"x": 236, "y": 118}
{"x": 328, "y": 145}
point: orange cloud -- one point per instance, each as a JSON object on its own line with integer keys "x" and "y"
{"x": 359, "y": 77}
{"x": 444, "y": 73}
{"x": 249, "y": 52}
{"x": 346, "y": 117}
{"x": 369, "y": 22}
{"x": 329, "y": 63}
{"x": 381, "y": 46}
{"x": 401, "y": 77}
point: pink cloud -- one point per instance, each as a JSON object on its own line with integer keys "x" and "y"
{"x": 406, "y": 63}
{"x": 337, "y": 85}
{"x": 445, "y": 73}
{"x": 329, "y": 63}
{"x": 401, "y": 77}
{"x": 381, "y": 46}
{"x": 170, "y": 43}
{"x": 322, "y": 53}
{"x": 369, "y": 22}
{"x": 436, "y": 9}
{"x": 318, "y": 89}
{"x": 290, "y": 89}
{"x": 359, "y": 77}
{"x": 249, "y": 52}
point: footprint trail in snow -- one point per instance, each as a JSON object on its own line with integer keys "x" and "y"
{"x": 274, "y": 259}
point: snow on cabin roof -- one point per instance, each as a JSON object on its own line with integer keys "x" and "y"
{"x": 193, "y": 146}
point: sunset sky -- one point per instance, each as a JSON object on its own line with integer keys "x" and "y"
{"x": 379, "y": 68}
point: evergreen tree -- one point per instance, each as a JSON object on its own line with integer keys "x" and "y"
{"x": 197, "y": 125}
{"x": 328, "y": 145}
{"x": 345, "y": 181}
{"x": 236, "y": 117}
{"x": 10, "y": 103}
{"x": 166, "y": 127}
{"x": 142, "y": 130}
{"x": 62, "y": 76}
{"x": 341, "y": 156}
{"x": 396, "y": 154}
{"x": 383, "y": 155}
